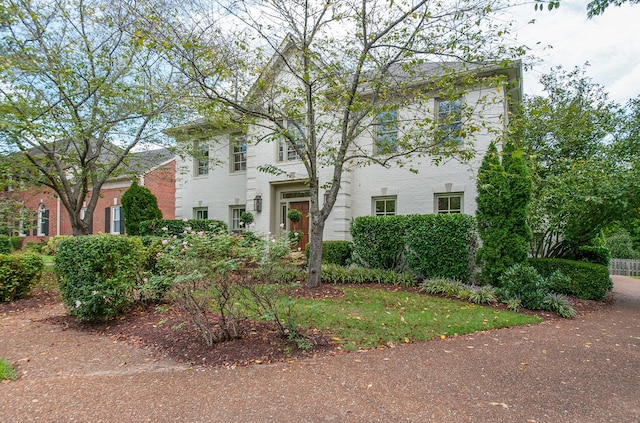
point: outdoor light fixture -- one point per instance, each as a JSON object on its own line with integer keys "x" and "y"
{"x": 257, "y": 203}
{"x": 327, "y": 193}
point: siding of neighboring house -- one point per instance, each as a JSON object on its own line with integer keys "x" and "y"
{"x": 363, "y": 188}
{"x": 160, "y": 180}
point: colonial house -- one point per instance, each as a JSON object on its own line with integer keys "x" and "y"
{"x": 224, "y": 176}
{"x": 154, "y": 169}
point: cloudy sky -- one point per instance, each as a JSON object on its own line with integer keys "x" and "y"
{"x": 610, "y": 43}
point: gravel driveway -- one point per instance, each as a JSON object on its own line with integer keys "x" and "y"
{"x": 583, "y": 370}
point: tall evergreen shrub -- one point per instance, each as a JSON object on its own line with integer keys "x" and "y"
{"x": 138, "y": 204}
{"x": 504, "y": 193}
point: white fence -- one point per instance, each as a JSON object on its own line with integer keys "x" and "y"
{"x": 625, "y": 267}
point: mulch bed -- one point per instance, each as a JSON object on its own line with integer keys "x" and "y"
{"x": 166, "y": 329}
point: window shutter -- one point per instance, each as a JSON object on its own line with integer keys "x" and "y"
{"x": 121, "y": 221}
{"x": 35, "y": 227}
{"x": 45, "y": 226}
{"x": 107, "y": 220}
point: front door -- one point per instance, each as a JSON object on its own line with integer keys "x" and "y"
{"x": 303, "y": 224}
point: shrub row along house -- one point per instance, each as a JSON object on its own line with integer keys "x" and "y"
{"x": 233, "y": 167}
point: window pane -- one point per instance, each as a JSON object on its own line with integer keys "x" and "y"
{"x": 454, "y": 204}
{"x": 387, "y": 132}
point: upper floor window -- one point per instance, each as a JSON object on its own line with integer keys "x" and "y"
{"x": 387, "y": 132}
{"x": 296, "y": 132}
{"x": 448, "y": 203}
{"x": 201, "y": 213}
{"x": 384, "y": 206}
{"x": 238, "y": 154}
{"x": 449, "y": 121}
{"x": 201, "y": 158}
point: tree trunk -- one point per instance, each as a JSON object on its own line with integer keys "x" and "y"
{"x": 315, "y": 251}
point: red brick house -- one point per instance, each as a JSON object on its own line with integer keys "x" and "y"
{"x": 156, "y": 170}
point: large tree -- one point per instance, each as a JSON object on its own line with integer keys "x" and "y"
{"x": 345, "y": 64}
{"x": 78, "y": 92}
{"x": 583, "y": 162}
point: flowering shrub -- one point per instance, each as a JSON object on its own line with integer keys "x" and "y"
{"x": 215, "y": 273}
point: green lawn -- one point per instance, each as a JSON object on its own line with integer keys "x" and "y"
{"x": 366, "y": 318}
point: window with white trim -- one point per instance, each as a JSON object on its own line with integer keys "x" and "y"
{"x": 42, "y": 221}
{"x": 238, "y": 154}
{"x": 387, "y": 132}
{"x": 448, "y": 203}
{"x": 449, "y": 121}
{"x": 201, "y": 159}
{"x": 384, "y": 206}
{"x": 297, "y": 132}
{"x": 117, "y": 221}
{"x": 236, "y": 213}
{"x": 201, "y": 213}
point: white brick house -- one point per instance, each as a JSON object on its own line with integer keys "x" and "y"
{"x": 224, "y": 178}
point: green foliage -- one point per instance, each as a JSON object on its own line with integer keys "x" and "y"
{"x": 179, "y": 228}
{"x": 524, "y": 282}
{"x": 88, "y": 82}
{"x": 218, "y": 272}
{"x": 335, "y": 252}
{"x": 429, "y": 245}
{"x": 246, "y": 218}
{"x": 294, "y": 215}
{"x": 441, "y": 245}
{"x": 581, "y": 147}
{"x": 522, "y": 285}
{"x": 138, "y": 205}
{"x": 504, "y": 192}
{"x": 50, "y": 247}
{"x": 594, "y": 254}
{"x": 9, "y": 244}
{"x": 97, "y": 274}
{"x": 18, "y": 273}
{"x": 452, "y": 288}
{"x": 620, "y": 244}
{"x": 586, "y": 280}
{"x": 379, "y": 241}
{"x": 336, "y": 274}
{"x": 7, "y": 371}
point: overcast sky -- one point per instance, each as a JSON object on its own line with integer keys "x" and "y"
{"x": 610, "y": 43}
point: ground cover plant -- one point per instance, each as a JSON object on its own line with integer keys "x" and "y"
{"x": 7, "y": 371}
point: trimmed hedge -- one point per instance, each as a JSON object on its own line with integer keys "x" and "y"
{"x": 379, "y": 241}
{"x": 441, "y": 245}
{"x": 18, "y": 273}
{"x": 97, "y": 274}
{"x": 164, "y": 228}
{"x": 334, "y": 252}
{"x": 589, "y": 281}
{"x": 433, "y": 245}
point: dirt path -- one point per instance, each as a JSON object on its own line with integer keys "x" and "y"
{"x": 582, "y": 370}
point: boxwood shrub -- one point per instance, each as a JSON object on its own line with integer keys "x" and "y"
{"x": 163, "y": 228}
{"x": 18, "y": 273}
{"x": 97, "y": 274}
{"x": 9, "y": 244}
{"x": 588, "y": 280}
